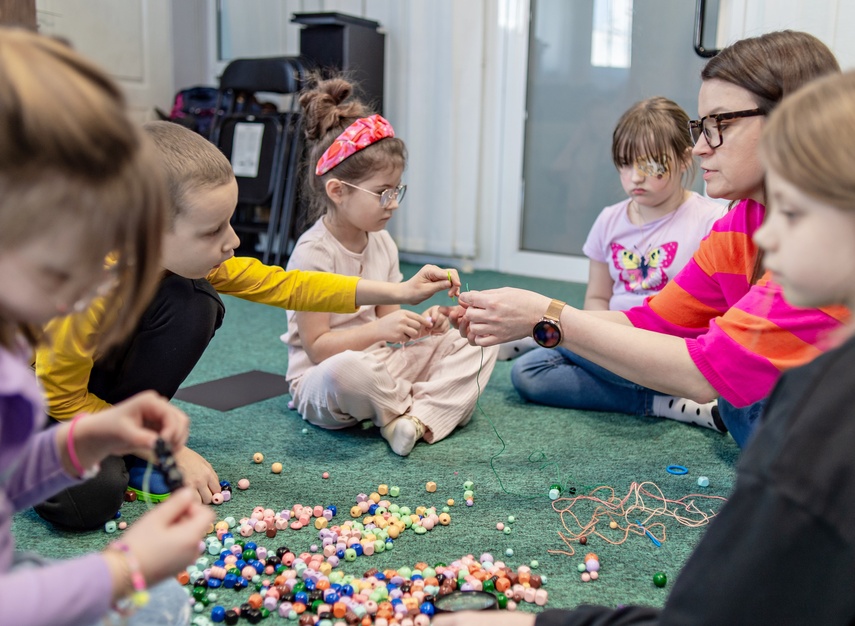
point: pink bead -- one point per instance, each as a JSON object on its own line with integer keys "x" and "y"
{"x": 258, "y": 509}
{"x": 595, "y": 575}
{"x": 325, "y": 475}
{"x": 585, "y": 577}
{"x": 123, "y": 525}
{"x": 427, "y": 523}
{"x": 246, "y": 530}
{"x": 512, "y": 606}
{"x": 281, "y": 524}
{"x": 529, "y": 594}
{"x": 243, "y": 483}
{"x": 217, "y": 498}
{"x": 248, "y": 572}
{"x": 368, "y": 548}
{"x": 421, "y": 620}
{"x": 500, "y": 526}
{"x": 541, "y": 597}
{"x": 318, "y": 511}
{"x": 260, "y": 526}
{"x": 270, "y": 603}
{"x": 296, "y": 525}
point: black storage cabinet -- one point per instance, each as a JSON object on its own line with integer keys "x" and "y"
{"x": 335, "y": 42}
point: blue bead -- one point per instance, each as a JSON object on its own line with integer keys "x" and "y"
{"x": 224, "y": 554}
{"x": 380, "y": 576}
{"x": 357, "y": 547}
{"x": 311, "y": 585}
{"x": 240, "y": 564}
{"x": 396, "y": 601}
{"x": 416, "y": 576}
{"x": 218, "y": 614}
{"x": 336, "y": 586}
{"x": 427, "y": 609}
{"x": 250, "y": 545}
{"x": 340, "y": 554}
{"x": 333, "y": 509}
{"x": 117, "y": 515}
{"x": 302, "y": 597}
{"x": 259, "y": 566}
{"x": 331, "y": 597}
{"x": 225, "y": 483}
{"x": 346, "y": 590}
{"x": 214, "y": 583}
{"x": 372, "y": 509}
{"x": 241, "y": 583}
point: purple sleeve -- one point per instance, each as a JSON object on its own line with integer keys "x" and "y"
{"x": 78, "y": 593}
{"x": 39, "y": 475}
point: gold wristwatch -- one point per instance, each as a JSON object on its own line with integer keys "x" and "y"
{"x": 547, "y": 332}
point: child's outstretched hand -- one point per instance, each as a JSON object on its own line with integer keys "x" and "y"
{"x": 164, "y": 541}
{"x": 428, "y": 281}
{"x": 437, "y": 317}
{"x": 129, "y": 427}
{"x": 401, "y": 326}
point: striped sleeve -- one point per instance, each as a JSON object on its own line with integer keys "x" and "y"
{"x": 745, "y": 350}
{"x": 740, "y": 336}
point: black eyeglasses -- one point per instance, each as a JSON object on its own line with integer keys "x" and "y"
{"x": 393, "y": 193}
{"x": 710, "y": 126}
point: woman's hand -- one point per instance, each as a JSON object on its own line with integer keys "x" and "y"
{"x": 129, "y": 427}
{"x": 428, "y": 281}
{"x": 499, "y": 315}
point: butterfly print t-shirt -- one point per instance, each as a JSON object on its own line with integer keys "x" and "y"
{"x": 642, "y": 259}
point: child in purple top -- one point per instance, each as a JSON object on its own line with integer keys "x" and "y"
{"x": 78, "y": 182}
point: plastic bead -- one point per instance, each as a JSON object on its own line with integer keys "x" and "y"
{"x": 394, "y": 491}
{"x": 703, "y": 481}
{"x": 243, "y": 483}
{"x": 660, "y": 579}
{"x": 258, "y": 457}
{"x": 430, "y": 487}
{"x": 110, "y": 526}
{"x": 276, "y": 468}
{"x": 325, "y": 475}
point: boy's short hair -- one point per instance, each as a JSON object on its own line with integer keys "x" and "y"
{"x": 189, "y": 162}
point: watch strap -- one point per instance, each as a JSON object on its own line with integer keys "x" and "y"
{"x": 553, "y": 311}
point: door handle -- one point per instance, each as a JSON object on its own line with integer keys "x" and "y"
{"x": 700, "y": 18}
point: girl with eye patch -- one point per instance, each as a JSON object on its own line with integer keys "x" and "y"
{"x": 638, "y": 245}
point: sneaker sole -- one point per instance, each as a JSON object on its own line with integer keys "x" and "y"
{"x": 151, "y": 497}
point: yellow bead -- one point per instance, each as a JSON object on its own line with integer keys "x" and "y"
{"x": 374, "y": 497}
{"x": 431, "y": 487}
{"x": 276, "y": 468}
{"x": 612, "y": 525}
{"x": 258, "y": 457}
{"x": 444, "y": 519}
{"x": 383, "y": 490}
{"x": 321, "y": 522}
{"x": 450, "y": 502}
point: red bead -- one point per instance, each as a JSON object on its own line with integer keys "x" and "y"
{"x": 583, "y": 540}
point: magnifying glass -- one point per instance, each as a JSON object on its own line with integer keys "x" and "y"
{"x": 466, "y": 601}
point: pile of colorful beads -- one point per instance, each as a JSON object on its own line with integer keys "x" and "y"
{"x": 305, "y": 588}
{"x": 590, "y": 568}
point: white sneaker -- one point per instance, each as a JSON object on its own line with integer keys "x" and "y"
{"x": 512, "y": 349}
{"x": 403, "y": 433}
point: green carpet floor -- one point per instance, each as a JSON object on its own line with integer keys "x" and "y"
{"x": 542, "y": 446}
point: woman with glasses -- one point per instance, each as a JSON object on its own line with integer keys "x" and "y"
{"x": 408, "y": 373}
{"x": 721, "y": 329}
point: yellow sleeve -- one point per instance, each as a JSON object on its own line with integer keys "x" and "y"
{"x": 64, "y": 362}
{"x": 295, "y": 290}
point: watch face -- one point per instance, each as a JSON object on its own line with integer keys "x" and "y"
{"x": 547, "y": 334}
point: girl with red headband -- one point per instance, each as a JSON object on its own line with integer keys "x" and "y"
{"x": 403, "y": 371}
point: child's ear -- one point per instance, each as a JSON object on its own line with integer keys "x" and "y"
{"x": 334, "y": 190}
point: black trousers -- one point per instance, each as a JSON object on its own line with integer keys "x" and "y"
{"x": 174, "y": 331}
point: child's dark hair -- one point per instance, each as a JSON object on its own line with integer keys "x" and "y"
{"x": 328, "y": 110}
{"x": 656, "y": 129}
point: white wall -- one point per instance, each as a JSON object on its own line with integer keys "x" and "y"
{"x": 455, "y": 88}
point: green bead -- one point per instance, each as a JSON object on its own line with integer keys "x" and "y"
{"x": 660, "y": 579}
{"x": 511, "y": 519}
{"x": 468, "y": 484}
{"x": 534, "y": 565}
{"x": 488, "y": 585}
{"x": 419, "y": 530}
{"x": 405, "y": 511}
{"x": 379, "y": 546}
{"x": 315, "y": 605}
{"x": 468, "y": 494}
{"x": 438, "y": 565}
{"x": 394, "y": 491}
{"x": 264, "y": 612}
{"x": 299, "y": 586}
{"x": 507, "y": 530}
{"x": 581, "y": 567}
{"x": 555, "y": 486}
{"x": 199, "y": 593}
{"x": 246, "y": 555}
{"x": 240, "y": 542}
{"x": 502, "y": 600}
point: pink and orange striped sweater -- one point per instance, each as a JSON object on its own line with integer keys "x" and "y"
{"x": 740, "y": 336}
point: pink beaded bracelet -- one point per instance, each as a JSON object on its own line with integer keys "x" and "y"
{"x": 85, "y": 474}
{"x": 140, "y": 595}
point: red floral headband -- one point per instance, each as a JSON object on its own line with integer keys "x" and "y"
{"x": 359, "y": 135}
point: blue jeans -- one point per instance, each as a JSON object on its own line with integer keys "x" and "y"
{"x": 562, "y": 378}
